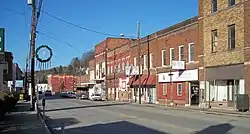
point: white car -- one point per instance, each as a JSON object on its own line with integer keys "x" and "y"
{"x": 98, "y": 97}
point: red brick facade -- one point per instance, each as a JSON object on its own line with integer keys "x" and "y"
{"x": 61, "y": 83}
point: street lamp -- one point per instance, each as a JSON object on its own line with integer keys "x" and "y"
{"x": 171, "y": 85}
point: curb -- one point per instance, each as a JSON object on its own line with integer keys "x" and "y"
{"x": 47, "y": 130}
{"x": 206, "y": 111}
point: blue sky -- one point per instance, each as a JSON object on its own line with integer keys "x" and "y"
{"x": 109, "y": 16}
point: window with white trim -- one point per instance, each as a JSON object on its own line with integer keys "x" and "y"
{"x": 179, "y": 89}
{"x": 145, "y": 63}
{"x": 163, "y": 58}
{"x": 135, "y": 60}
{"x": 108, "y": 69}
{"x": 191, "y": 52}
{"x": 151, "y": 60}
{"x": 123, "y": 64}
{"x": 214, "y": 40}
{"x": 171, "y": 55}
{"x": 119, "y": 67}
{"x": 111, "y": 69}
{"x": 231, "y": 36}
{"x": 181, "y": 53}
{"x": 164, "y": 89}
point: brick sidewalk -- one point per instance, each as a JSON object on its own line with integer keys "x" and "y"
{"x": 21, "y": 121}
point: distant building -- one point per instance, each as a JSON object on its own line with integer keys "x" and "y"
{"x": 59, "y": 82}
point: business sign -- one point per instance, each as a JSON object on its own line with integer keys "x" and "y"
{"x": 19, "y": 83}
{"x": 187, "y": 75}
{"x": 178, "y": 65}
{"x": 1, "y": 39}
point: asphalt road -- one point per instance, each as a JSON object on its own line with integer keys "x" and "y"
{"x": 94, "y": 117}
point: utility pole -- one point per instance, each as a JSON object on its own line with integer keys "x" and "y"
{"x": 26, "y": 74}
{"x": 32, "y": 44}
{"x": 106, "y": 69}
{"x": 139, "y": 59}
{"x": 35, "y": 17}
{"x": 115, "y": 68}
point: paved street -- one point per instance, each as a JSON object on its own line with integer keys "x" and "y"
{"x": 88, "y": 117}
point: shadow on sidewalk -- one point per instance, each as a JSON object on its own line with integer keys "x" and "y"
{"x": 88, "y": 106}
{"x": 21, "y": 120}
{"x": 216, "y": 129}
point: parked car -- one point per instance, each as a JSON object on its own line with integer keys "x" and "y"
{"x": 71, "y": 94}
{"x": 48, "y": 93}
{"x": 97, "y": 97}
{"x": 64, "y": 94}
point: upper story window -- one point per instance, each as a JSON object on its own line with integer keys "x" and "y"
{"x": 231, "y": 3}
{"x": 145, "y": 63}
{"x": 111, "y": 69}
{"x": 151, "y": 60}
{"x": 123, "y": 64}
{"x": 214, "y": 6}
{"x": 135, "y": 61}
{"x": 181, "y": 53}
{"x": 231, "y": 36}
{"x": 191, "y": 52}
{"x": 214, "y": 41}
{"x": 108, "y": 69}
{"x": 171, "y": 55}
{"x": 163, "y": 58}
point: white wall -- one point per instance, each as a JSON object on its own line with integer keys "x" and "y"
{"x": 92, "y": 75}
{"x": 242, "y": 86}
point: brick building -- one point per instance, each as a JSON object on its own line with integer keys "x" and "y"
{"x": 224, "y": 57}
{"x": 118, "y": 59}
{"x": 108, "y": 44}
{"x": 176, "y": 43}
{"x": 148, "y": 62}
{"x": 59, "y": 83}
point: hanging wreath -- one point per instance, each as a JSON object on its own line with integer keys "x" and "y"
{"x": 46, "y": 59}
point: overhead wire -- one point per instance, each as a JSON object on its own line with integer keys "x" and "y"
{"x": 83, "y": 28}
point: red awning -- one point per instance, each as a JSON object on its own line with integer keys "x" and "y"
{"x": 151, "y": 80}
{"x": 131, "y": 80}
{"x": 146, "y": 80}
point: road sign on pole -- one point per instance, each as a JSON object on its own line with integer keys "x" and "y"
{"x": 1, "y": 39}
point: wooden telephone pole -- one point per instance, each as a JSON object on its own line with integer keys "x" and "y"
{"x": 35, "y": 16}
{"x": 139, "y": 59}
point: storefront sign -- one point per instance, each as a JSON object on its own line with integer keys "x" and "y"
{"x": 179, "y": 65}
{"x": 2, "y": 40}
{"x": 187, "y": 75}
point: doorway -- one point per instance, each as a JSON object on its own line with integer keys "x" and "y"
{"x": 194, "y": 93}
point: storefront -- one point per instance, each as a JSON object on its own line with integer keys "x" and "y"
{"x": 223, "y": 85}
{"x": 148, "y": 89}
{"x": 182, "y": 90}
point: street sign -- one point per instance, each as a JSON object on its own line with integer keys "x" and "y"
{"x": 1, "y": 39}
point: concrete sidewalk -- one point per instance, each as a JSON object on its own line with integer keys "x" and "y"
{"x": 21, "y": 121}
{"x": 217, "y": 111}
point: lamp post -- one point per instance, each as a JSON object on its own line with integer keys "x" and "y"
{"x": 171, "y": 85}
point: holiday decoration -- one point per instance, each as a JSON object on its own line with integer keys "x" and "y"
{"x": 43, "y": 56}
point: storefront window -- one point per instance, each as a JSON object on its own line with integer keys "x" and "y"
{"x": 218, "y": 91}
{"x": 179, "y": 89}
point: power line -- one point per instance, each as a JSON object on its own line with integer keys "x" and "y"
{"x": 56, "y": 39}
{"x": 83, "y": 28}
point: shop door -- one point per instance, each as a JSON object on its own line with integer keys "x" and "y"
{"x": 232, "y": 86}
{"x": 194, "y": 94}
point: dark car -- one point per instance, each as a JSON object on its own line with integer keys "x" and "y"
{"x": 48, "y": 93}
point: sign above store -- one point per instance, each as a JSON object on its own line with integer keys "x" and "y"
{"x": 178, "y": 65}
{"x": 187, "y": 75}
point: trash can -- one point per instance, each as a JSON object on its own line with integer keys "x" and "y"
{"x": 242, "y": 103}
